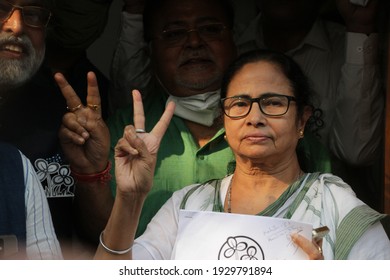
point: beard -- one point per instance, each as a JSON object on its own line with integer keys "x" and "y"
{"x": 15, "y": 72}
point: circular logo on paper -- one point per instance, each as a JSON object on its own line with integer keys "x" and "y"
{"x": 240, "y": 248}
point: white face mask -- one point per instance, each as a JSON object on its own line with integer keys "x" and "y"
{"x": 200, "y": 108}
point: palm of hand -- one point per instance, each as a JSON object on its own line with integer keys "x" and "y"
{"x": 134, "y": 170}
{"x": 93, "y": 151}
{"x": 136, "y": 153}
{"x": 83, "y": 135}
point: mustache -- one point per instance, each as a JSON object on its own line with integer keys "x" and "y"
{"x": 189, "y": 54}
{"x": 23, "y": 42}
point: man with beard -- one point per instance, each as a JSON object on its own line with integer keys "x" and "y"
{"x": 24, "y": 209}
{"x": 22, "y": 42}
{"x": 190, "y": 44}
{"x": 31, "y": 104}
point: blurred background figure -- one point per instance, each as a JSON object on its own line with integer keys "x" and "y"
{"x": 342, "y": 61}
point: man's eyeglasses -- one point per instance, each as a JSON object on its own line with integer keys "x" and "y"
{"x": 177, "y": 36}
{"x": 270, "y": 104}
{"x": 33, "y": 16}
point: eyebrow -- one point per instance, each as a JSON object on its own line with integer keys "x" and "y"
{"x": 240, "y": 95}
{"x": 182, "y": 23}
{"x": 246, "y": 95}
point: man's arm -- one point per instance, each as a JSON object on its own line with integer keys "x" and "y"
{"x": 357, "y": 128}
{"x": 85, "y": 140}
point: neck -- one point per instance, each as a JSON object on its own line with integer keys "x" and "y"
{"x": 252, "y": 191}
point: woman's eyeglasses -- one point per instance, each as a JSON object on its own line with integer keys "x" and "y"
{"x": 33, "y": 16}
{"x": 270, "y": 104}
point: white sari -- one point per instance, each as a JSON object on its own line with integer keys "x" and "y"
{"x": 318, "y": 199}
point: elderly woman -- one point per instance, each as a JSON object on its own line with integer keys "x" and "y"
{"x": 265, "y": 100}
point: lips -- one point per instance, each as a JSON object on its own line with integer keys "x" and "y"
{"x": 12, "y": 49}
{"x": 195, "y": 61}
{"x": 256, "y": 137}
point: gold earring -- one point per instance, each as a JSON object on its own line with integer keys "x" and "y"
{"x": 301, "y": 133}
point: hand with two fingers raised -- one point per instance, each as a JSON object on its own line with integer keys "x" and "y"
{"x": 136, "y": 153}
{"x": 84, "y": 136}
{"x": 135, "y": 161}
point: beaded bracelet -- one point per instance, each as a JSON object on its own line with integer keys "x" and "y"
{"x": 102, "y": 177}
{"x": 115, "y": 252}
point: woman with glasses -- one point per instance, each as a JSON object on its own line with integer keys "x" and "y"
{"x": 266, "y": 104}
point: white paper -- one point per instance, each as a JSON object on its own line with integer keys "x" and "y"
{"x": 213, "y": 235}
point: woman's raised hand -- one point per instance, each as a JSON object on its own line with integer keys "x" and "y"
{"x": 136, "y": 151}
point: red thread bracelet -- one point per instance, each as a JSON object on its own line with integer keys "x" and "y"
{"x": 102, "y": 177}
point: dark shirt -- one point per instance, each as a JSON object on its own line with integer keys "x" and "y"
{"x": 30, "y": 118}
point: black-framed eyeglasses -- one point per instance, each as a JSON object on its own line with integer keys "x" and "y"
{"x": 208, "y": 32}
{"x": 33, "y": 16}
{"x": 271, "y": 104}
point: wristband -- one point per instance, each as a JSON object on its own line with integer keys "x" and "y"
{"x": 102, "y": 177}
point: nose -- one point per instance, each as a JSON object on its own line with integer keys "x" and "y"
{"x": 14, "y": 23}
{"x": 193, "y": 38}
{"x": 256, "y": 116}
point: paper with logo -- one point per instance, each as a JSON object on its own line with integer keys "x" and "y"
{"x": 206, "y": 235}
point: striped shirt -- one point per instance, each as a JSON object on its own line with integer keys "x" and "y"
{"x": 41, "y": 240}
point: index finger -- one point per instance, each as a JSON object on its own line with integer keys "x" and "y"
{"x": 162, "y": 125}
{"x": 71, "y": 97}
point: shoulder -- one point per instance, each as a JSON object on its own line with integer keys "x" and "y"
{"x": 338, "y": 199}
{"x": 12, "y": 163}
{"x": 333, "y": 183}
{"x": 7, "y": 150}
{"x": 329, "y": 194}
{"x": 335, "y": 190}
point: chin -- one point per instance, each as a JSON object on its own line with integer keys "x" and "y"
{"x": 199, "y": 82}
